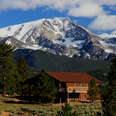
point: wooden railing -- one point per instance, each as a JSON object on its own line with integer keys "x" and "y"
{"x": 77, "y": 89}
{"x": 74, "y": 89}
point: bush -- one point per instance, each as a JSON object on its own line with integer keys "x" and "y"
{"x": 67, "y": 111}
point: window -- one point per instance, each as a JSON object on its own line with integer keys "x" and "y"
{"x": 63, "y": 85}
{"x": 82, "y": 84}
{"x": 76, "y": 84}
{"x": 85, "y": 96}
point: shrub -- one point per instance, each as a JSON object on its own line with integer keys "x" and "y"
{"x": 67, "y": 111}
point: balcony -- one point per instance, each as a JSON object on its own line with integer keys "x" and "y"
{"x": 77, "y": 89}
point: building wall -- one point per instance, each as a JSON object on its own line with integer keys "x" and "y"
{"x": 80, "y": 88}
{"x": 73, "y": 91}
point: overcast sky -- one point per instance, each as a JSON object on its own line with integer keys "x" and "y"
{"x": 97, "y": 15}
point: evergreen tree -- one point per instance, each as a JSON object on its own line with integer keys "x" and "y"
{"x": 45, "y": 87}
{"x": 7, "y": 68}
{"x": 12, "y": 76}
{"x": 42, "y": 87}
{"x": 22, "y": 68}
{"x": 109, "y": 94}
{"x": 93, "y": 90}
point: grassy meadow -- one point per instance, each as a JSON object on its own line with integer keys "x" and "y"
{"x": 15, "y": 107}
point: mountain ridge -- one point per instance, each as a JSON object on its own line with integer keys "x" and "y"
{"x": 59, "y": 36}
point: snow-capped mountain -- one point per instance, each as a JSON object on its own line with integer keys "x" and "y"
{"x": 110, "y": 41}
{"x": 106, "y": 35}
{"x": 59, "y": 36}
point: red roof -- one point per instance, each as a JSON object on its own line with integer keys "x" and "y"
{"x": 72, "y": 76}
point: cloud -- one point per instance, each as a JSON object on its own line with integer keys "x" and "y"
{"x": 30, "y": 4}
{"x": 86, "y": 10}
{"x": 106, "y": 2}
{"x": 104, "y": 22}
{"x": 74, "y": 7}
{"x": 13, "y": 4}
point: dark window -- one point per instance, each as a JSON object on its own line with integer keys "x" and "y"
{"x": 74, "y": 95}
{"x": 63, "y": 85}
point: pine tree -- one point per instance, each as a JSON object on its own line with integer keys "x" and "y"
{"x": 109, "y": 95}
{"x": 7, "y": 68}
{"x": 42, "y": 87}
{"x": 93, "y": 90}
{"x": 12, "y": 76}
{"x": 22, "y": 68}
{"x": 45, "y": 88}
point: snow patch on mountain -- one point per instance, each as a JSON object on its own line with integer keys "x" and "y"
{"x": 107, "y": 36}
{"x": 20, "y": 30}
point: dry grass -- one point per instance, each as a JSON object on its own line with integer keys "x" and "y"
{"x": 13, "y": 105}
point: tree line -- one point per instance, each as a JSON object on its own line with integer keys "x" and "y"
{"x": 14, "y": 78}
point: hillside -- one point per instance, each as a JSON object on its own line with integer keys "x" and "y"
{"x": 44, "y": 60}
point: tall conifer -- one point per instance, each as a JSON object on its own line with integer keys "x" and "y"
{"x": 7, "y": 68}
{"x": 109, "y": 95}
{"x": 22, "y": 68}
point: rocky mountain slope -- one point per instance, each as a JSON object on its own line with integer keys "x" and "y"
{"x": 58, "y": 36}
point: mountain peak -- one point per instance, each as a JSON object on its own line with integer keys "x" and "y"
{"x": 59, "y": 35}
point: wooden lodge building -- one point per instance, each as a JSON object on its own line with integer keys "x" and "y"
{"x": 73, "y": 86}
